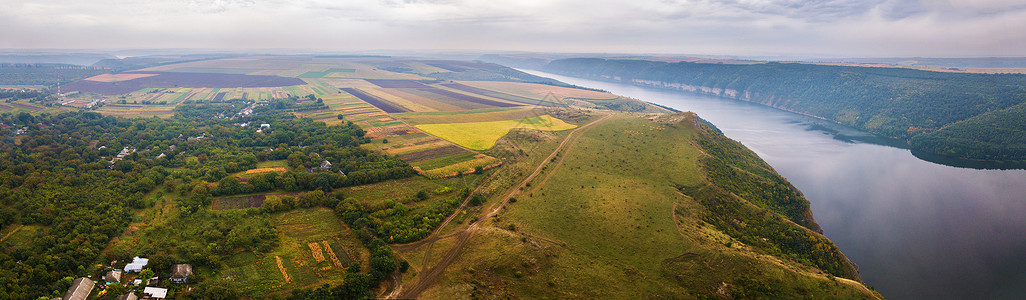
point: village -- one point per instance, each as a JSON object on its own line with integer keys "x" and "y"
{"x": 132, "y": 282}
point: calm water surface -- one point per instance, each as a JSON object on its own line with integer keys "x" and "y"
{"x": 917, "y": 230}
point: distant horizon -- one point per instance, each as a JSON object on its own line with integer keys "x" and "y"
{"x": 434, "y": 52}
{"x": 800, "y": 28}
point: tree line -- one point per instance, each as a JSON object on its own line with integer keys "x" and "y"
{"x": 907, "y": 104}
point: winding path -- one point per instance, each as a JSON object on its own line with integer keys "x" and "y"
{"x": 430, "y": 275}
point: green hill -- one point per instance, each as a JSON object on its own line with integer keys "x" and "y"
{"x": 640, "y": 206}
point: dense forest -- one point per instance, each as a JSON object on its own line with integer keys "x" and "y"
{"x": 750, "y": 202}
{"x": 77, "y": 176}
{"x": 933, "y": 110}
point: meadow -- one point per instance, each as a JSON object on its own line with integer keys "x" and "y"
{"x": 604, "y": 220}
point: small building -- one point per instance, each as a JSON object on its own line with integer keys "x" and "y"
{"x": 129, "y": 296}
{"x": 325, "y": 165}
{"x": 138, "y": 263}
{"x": 180, "y": 273}
{"x": 80, "y": 289}
{"x": 112, "y": 277}
{"x": 154, "y": 293}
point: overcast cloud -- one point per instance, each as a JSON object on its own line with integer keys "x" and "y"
{"x": 738, "y": 27}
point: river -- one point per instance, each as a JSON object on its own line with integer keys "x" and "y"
{"x": 917, "y": 230}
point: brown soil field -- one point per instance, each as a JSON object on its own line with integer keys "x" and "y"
{"x": 378, "y": 102}
{"x": 118, "y": 77}
{"x": 424, "y": 101}
{"x": 468, "y": 98}
{"x": 177, "y": 79}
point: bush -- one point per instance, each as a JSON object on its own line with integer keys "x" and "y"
{"x": 477, "y": 199}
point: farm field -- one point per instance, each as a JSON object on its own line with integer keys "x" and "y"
{"x": 538, "y": 91}
{"x": 483, "y": 135}
{"x": 259, "y": 274}
{"x": 137, "y": 111}
{"x": 376, "y": 93}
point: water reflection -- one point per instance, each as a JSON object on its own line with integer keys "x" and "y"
{"x": 917, "y": 229}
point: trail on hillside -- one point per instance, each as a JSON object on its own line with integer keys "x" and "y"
{"x": 430, "y": 275}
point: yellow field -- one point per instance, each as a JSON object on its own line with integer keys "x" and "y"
{"x": 267, "y": 170}
{"x": 483, "y": 135}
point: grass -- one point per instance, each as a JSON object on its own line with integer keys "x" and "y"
{"x": 17, "y": 236}
{"x": 483, "y": 135}
{"x": 608, "y": 223}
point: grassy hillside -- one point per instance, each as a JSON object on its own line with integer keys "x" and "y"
{"x": 894, "y": 102}
{"x": 606, "y": 218}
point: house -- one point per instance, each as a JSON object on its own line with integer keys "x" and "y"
{"x": 125, "y": 152}
{"x": 129, "y": 296}
{"x": 154, "y": 293}
{"x": 80, "y": 289}
{"x": 112, "y": 277}
{"x": 138, "y": 263}
{"x": 325, "y": 165}
{"x": 180, "y": 273}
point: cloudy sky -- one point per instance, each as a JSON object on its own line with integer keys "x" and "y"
{"x": 938, "y": 28}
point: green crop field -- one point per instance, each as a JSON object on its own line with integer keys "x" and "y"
{"x": 482, "y": 135}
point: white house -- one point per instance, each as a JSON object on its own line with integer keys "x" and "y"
{"x": 155, "y": 293}
{"x": 138, "y": 263}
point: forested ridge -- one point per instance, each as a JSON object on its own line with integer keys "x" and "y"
{"x": 749, "y": 201}
{"x": 953, "y": 114}
{"x": 77, "y": 176}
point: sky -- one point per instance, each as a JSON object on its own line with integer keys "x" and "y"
{"x": 826, "y": 28}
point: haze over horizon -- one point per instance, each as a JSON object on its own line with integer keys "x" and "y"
{"x": 929, "y": 28}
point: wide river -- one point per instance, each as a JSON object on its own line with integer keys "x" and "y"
{"x": 917, "y": 230}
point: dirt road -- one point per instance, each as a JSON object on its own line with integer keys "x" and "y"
{"x": 430, "y": 275}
